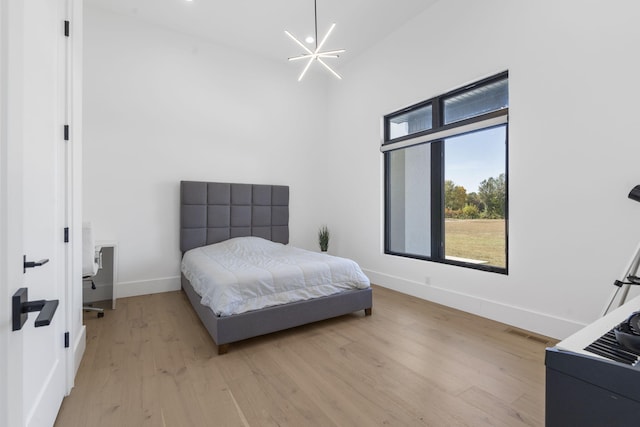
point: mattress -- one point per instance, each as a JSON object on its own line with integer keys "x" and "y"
{"x": 250, "y": 273}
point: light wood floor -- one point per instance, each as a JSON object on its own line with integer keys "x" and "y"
{"x": 150, "y": 362}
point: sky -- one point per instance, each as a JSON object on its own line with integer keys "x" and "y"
{"x": 474, "y": 157}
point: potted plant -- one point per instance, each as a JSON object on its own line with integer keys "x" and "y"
{"x": 323, "y": 238}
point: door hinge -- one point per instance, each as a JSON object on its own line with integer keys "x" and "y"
{"x": 66, "y": 28}
{"x": 66, "y": 132}
{"x": 66, "y": 234}
{"x": 66, "y": 340}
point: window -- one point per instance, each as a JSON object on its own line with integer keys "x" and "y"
{"x": 446, "y": 177}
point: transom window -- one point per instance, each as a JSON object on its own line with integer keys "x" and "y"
{"x": 446, "y": 177}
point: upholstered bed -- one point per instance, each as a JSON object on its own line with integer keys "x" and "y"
{"x": 211, "y": 213}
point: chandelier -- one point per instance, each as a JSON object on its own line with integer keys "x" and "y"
{"x": 316, "y": 55}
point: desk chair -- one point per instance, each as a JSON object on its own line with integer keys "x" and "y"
{"x": 91, "y": 262}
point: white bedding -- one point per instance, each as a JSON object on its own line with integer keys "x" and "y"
{"x": 250, "y": 273}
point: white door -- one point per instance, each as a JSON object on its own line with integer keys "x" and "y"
{"x": 34, "y": 205}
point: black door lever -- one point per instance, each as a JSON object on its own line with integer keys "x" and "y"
{"x": 21, "y": 307}
{"x": 30, "y": 264}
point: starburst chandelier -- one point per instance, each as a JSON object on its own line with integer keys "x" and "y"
{"x": 317, "y": 54}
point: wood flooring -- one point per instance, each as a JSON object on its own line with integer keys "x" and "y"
{"x": 150, "y": 362}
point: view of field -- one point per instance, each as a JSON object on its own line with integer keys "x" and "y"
{"x": 478, "y": 239}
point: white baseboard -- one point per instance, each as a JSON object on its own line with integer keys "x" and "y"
{"x": 79, "y": 347}
{"x": 45, "y": 405}
{"x": 530, "y": 320}
{"x": 146, "y": 287}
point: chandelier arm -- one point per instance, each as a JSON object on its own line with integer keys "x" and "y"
{"x": 305, "y": 69}
{"x": 325, "y": 37}
{"x": 298, "y": 42}
{"x": 331, "y": 52}
{"x": 296, "y": 58}
{"x": 329, "y": 68}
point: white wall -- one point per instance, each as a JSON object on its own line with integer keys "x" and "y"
{"x": 161, "y": 107}
{"x": 573, "y": 151}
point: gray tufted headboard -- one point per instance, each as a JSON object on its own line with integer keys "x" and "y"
{"x": 211, "y": 212}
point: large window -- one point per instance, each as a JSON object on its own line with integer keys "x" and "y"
{"x": 446, "y": 177}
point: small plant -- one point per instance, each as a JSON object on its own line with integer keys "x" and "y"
{"x": 323, "y": 238}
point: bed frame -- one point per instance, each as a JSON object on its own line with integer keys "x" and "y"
{"x": 211, "y": 212}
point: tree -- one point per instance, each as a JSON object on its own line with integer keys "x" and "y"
{"x": 455, "y": 196}
{"x": 449, "y": 186}
{"x": 459, "y": 197}
{"x": 470, "y": 212}
{"x": 492, "y": 192}
{"x": 474, "y": 200}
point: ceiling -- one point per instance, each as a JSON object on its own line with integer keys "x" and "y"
{"x": 257, "y": 26}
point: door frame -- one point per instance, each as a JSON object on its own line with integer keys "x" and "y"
{"x": 73, "y": 293}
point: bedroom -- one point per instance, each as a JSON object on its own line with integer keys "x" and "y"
{"x": 153, "y": 97}
{"x": 570, "y": 230}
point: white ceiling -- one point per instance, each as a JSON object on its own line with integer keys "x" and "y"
{"x": 258, "y": 25}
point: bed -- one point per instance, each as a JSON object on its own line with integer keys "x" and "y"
{"x": 217, "y": 214}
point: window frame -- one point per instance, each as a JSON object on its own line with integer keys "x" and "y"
{"x": 436, "y": 137}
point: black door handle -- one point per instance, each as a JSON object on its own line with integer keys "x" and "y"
{"x": 21, "y": 307}
{"x": 30, "y": 264}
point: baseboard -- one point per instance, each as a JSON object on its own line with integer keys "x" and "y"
{"x": 47, "y": 401}
{"x": 79, "y": 347}
{"x": 146, "y": 287}
{"x": 530, "y": 320}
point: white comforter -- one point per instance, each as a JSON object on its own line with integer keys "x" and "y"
{"x": 249, "y": 273}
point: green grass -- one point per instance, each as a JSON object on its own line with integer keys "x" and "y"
{"x": 479, "y": 239}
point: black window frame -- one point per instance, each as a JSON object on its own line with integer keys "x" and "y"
{"x": 437, "y": 171}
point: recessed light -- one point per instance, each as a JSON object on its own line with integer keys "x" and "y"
{"x": 309, "y": 39}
